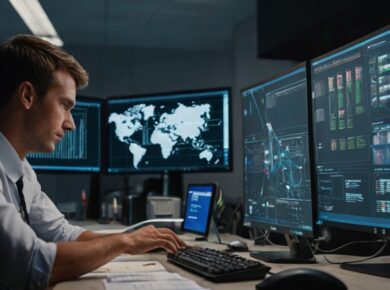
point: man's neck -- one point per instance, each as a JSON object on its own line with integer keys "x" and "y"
{"x": 13, "y": 141}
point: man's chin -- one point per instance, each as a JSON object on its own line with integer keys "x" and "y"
{"x": 48, "y": 149}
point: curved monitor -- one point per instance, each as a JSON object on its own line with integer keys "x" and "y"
{"x": 351, "y": 109}
{"x": 79, "y": 150}
{"x": 186, "y": 131}
{"x": 277, "y": 175}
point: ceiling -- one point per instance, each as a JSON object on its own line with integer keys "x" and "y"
{"x": 179, "y": 24}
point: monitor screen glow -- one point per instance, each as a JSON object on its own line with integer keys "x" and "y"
{"x": 79, "y": 150}
{"x": 169, "y": 132}
{"x": 351, "y": 110}
{"x": 277, "y": 177}
{"x": 198, "y": 208}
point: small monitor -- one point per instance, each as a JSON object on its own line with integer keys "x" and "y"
{"x": 351, "y": 114}
{"x": 277, "y": 163}
{"x": 79, "y": 150}
{"x": 199, "y": 208}
{"x": 174, "y": 132}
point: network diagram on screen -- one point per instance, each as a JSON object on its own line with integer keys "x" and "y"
{"x": 277, "y": 177}
{"x": 163, "y": 132}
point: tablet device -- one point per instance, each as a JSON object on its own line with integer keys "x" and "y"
{"x": 199, "y": 208}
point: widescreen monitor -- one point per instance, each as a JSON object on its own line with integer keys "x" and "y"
{"x": 351, "y": 110}
{"x": 79, "y": 150}
{"x": 176, "y": 132}
{"x": 277, "y": 175}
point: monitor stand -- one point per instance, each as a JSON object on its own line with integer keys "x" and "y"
{"x": 172, "y": 184}
{"x": 213, "y": 235}
{"x": 382, "y": 270}
{"x": 300, "y": 252}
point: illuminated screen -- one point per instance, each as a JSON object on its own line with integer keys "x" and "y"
{"x": 277, "y": 187}
{"x": 351, "y": 110}
{"x": 170, "y": 132}
{"x": 198, "y": 208}
{"x": 79, "y": 150}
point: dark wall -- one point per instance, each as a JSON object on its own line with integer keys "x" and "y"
{"x": 304, "y": 29}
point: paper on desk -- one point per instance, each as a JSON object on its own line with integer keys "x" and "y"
{"x": 154, "y": 285}
{"x": 112, "y": 268}
{"x": 128, "y": 258}
{"x": 144, "y": 276}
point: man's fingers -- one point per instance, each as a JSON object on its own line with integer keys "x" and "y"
{"x": 170, "y": 238}
{"x": 167, "y": 245}
{"x": 170, "y": 232}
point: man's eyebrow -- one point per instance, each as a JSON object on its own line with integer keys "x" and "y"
{"x": 69, "y": 103}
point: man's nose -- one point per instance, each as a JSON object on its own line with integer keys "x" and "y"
{"x": 69, "y": 123}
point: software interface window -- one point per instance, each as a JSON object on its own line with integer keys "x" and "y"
{"x": 79, "y": 150}
{"x": 198, "y": 208}
{"x": 176, "y": 132}
{"x": 351, "y": 100}
{"x": 277, "y": 168}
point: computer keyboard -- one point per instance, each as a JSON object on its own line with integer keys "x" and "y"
{"x": 218, "y": 266}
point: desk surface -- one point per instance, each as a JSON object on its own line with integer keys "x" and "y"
{"x": 353, "y": 280}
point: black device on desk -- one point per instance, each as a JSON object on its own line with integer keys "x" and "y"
{"x": 301, "y": 278}
{"x": 218, "y": 266}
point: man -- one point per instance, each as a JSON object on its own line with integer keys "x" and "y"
{"x": 38, "y": 247}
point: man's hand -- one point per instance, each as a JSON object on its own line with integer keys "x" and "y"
{"x": 149, "y": 238}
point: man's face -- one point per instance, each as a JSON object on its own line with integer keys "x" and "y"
{"x": 50, "y": 116}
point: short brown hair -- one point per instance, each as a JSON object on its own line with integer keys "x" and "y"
{"x": 29, "y": 58}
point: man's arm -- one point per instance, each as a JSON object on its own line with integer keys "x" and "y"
{"x": 88, "y": 235}
{"x": 82, "y": 256}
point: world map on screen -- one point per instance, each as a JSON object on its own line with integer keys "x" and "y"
{"x": 169, "y": 128}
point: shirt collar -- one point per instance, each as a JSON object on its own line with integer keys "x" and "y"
{"x": 10, "y": 160}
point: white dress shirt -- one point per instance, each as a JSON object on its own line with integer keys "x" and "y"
{"x": 27, "y": 252}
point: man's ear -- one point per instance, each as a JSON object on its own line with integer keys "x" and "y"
{"x": 26, "y": 94}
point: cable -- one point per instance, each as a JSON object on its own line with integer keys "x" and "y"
{"x": 348, "y": 244}
{"x": 377, "y": 253}
{"x": 262, "y": 236}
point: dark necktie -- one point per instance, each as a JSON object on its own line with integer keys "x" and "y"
{"x": 23, "y": 209}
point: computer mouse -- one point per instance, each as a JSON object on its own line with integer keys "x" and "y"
{"x": 240, "y": 246}
{"x": 301, "y": 278}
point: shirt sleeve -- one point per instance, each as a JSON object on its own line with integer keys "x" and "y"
{"x": 46, "y": 220}
{"x": 26, "y": 261}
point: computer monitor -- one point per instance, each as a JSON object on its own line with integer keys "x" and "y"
{"x": 351, "y": 110}
{"x": 174, "y": 132}
{"x": 199, "y": 208}
{"x": 79, "y": 150}
{"x": 277, "y": 175}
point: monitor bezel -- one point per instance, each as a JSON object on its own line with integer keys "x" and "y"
{"x": 101, "y": 125}
{"x": 106, "y": 149}
{"x": 385, "y": 232}
{"x": 214, "y": 188}
{"x": 284, "y": 229}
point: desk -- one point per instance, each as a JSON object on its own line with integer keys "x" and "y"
{"x": 353, "y": 280}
